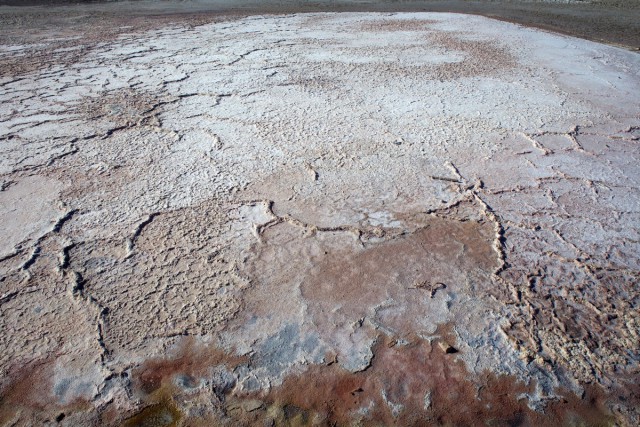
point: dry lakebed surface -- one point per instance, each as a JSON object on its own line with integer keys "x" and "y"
{"x": 319, "y": 219}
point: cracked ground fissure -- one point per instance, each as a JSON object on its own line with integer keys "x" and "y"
{"x": 189, "y": 237}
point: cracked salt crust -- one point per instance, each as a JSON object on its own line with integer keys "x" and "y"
{"x": 284, "y": 188}
{"x": 27, "y": 210}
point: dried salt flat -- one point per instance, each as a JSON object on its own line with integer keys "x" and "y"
{"x": 322, "y": 218}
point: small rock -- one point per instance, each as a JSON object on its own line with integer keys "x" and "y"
{"x": 449, "y": 349}
{"x": 251, "y": 405}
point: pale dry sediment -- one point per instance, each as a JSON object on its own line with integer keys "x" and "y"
{"x": 203, "y": 220}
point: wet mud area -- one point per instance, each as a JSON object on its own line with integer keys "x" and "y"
{"x": 417, "y": 382}
{"x": 317, "y": 219}
{"x": 414, "y": 383}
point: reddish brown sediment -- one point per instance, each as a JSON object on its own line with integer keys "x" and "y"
{"x": 346, "y": 287}
{"x": 27, "y": 387}
{"x": 396, "y": 25}
{"x": 169, "y": 386}
{"x": 26, "y": 392}
{"x": 416, "y": 384}
{"x": 482, "y": 59}
{"x": 192, "y": 361}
